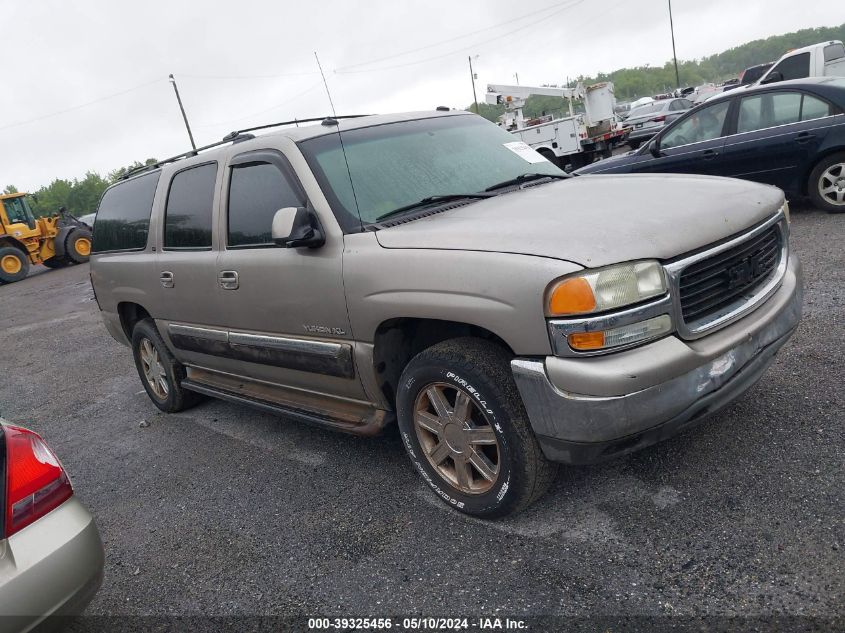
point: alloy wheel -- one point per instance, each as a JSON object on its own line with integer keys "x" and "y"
{"x": 457, "y": 438}
{"x": 154, "y": 371}
{"x": 832, "y": 184}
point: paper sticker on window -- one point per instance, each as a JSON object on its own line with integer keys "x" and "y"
{"x": 524, "y": 151}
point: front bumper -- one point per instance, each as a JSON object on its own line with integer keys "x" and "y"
{"x": 591, "y": 409}
{"x": 50, "y": 568}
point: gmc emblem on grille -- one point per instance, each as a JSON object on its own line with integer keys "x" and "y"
{"x": 744, "y": 272}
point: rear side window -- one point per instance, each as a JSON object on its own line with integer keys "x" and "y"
{"x": 190, "y": 203}
{"x": 256, "y": 192}
{"x": 779, "y": 108}
{"x": 834, "y": 51}
{"x": 813, "y": 108}
{"x": 123, "y": 217}
{"x": 795, "y": 67}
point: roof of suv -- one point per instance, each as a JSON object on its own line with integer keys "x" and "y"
{"x": 295, "y": 133}
{"x": 317, "y": 129}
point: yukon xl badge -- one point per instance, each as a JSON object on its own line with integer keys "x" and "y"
{"x": 322, "y": 329}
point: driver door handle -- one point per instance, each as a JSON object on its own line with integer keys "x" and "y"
{"x": 709, "y": 154}
{"x": 805, "y": 137}
{"x": 228, "y": 279}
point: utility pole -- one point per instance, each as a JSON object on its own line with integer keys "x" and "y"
{"x": 674, "y": 56}
{"x": 184, "y": 116}
{"x": 472, "y": 76}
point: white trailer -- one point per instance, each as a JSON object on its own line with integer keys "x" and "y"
{"x": 575, "y": 140}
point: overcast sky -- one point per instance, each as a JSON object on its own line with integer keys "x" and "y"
{"x": 249, "y": 62}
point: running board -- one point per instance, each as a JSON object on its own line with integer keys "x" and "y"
{"x": 338, "y": 415}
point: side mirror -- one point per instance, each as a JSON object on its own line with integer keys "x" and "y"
{"x": 773, "y": 77}
{"x": 294, "y": 227}
{"x": 654, "y": 148}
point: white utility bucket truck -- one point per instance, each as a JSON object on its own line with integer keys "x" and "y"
{"x": 575, "y": 140}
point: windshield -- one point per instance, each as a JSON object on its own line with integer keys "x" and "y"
{"x": 398, "y": 164}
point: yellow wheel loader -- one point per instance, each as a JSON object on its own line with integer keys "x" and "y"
{"x": 56, "y": 241}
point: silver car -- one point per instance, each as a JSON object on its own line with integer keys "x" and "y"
{"x": 647, "y": 120}
{"x": 51, "y": 555}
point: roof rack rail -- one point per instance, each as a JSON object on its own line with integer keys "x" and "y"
{"x": 236, "y": 136}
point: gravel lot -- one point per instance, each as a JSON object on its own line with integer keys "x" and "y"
{"x": 223, "y": 510}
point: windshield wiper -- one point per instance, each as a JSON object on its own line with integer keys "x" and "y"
{"x": 524, "y": 178}
{"x": 429, "y": 200}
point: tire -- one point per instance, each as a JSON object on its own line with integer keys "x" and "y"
{"x": 14, "y": 264}
{"x": 634, "y": 144}
{"x": 473, "y": 375}
{"x": 828, "y": 174}
{"x": 162, "y": 378}
{"x": 54, "y": 262}
{"x": 78, "y": 246}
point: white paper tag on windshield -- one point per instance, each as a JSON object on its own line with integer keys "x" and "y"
{"x": 524, "y": 151}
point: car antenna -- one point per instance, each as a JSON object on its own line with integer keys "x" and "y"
{"x": 333, "y": 121}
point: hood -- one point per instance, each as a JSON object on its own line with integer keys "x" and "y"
{"x": 598, "y": 220}
{"x": 615, "y": 164}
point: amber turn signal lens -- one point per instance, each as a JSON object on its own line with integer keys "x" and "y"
{"x": 572, "y": 296}
{"x": 586, "y": 340}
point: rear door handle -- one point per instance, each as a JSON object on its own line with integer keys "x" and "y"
{"x": 166, "y": 279}
{"x": 228, "y": 279}
{"x": 805, "y": 137}
{"x": 710, "y": 154}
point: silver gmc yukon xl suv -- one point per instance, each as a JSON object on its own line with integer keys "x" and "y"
{"x": 430, "y": 269}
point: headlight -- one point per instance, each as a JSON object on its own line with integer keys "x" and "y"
{"x": 606, "y": 288}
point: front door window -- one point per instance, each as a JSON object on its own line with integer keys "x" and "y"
{"x": 705, "y": 125}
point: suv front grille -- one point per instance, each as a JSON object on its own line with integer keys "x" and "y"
{"x": 710, "y": 286}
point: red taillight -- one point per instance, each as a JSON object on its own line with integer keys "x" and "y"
{"x": 660, "y": 118}
{"x": 36, "y": 483}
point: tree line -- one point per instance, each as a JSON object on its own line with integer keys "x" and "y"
{"x": 642, "y": 81}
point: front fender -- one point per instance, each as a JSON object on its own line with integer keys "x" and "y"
{"x": 500, "y": 292}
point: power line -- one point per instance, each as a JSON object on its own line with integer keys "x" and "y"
{"x": 464, "y": 48}
{"x": 448, "y": 40}
{"x": 227, "y": 77}
{"x": 81, "y": 105}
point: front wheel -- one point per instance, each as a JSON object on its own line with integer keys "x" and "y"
{"x": 78, "y": 246}
{"x": 466, "y": 431}
{"x": 826, "y": 184}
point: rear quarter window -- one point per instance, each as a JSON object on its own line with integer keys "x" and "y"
{"x": 123, "y": 217}
{"x": 834, "y": 51}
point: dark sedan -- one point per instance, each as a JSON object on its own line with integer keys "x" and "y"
{"x": 790, "y": 134}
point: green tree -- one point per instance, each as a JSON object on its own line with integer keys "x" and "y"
{"x": 10, "y": 189}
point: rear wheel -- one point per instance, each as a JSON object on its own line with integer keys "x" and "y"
{"x": 14, "y": 264}
{"x": 634, "y": 144}
{"x": 78, "y": 245}
{"x": 827, "y": 184}
{"x": 160, "y": 373}
{"x": 466, "y": 431}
